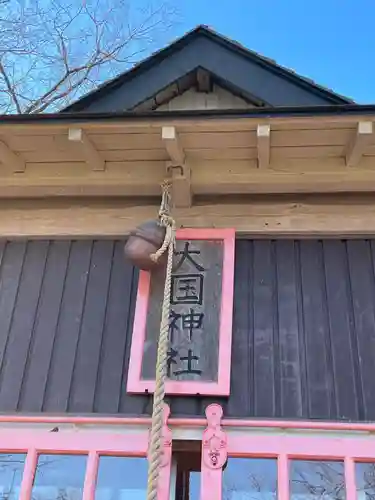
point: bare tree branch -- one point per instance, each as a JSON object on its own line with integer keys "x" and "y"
{"x": 53, "y": 52}
{"x": 10, "y": 88}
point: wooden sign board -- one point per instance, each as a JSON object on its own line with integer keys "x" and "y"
{"x": 200, "y": 322}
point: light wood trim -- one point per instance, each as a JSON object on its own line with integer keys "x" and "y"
{"x": 312, "y": 218}
{"x": 359, "y": 142}
{"x": 264, "y": 145}
{"x": 173, "y": 146}
{"x": 11, "y": 159}
{"x": 237, "y": 123}
{"x": 92, "y": 156}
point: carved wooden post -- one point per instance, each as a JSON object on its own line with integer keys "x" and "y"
{"x": 166, "y": 463}
{"x": 214, "y": 454}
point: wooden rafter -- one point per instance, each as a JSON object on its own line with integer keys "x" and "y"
{"x": 263, "y": 144}
{"x": 92, "y": 156}
{"x": 8, "y": 157}
{"x": 358, "y": 143}
{"x": 180, "y": 170}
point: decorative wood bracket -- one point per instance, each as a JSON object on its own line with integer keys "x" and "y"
{"x": 181, "y": 174}
{"x": 358, "y": 143}
{"x": 166, "y": 461}
{"x": 204, "y": 81}
{"x": 92, "y": 156}
{"x": 214, "y": 454}
{"x": 7, "y": 156}
{"x": 264, "y": 143}
{"x": 173, "y": 146}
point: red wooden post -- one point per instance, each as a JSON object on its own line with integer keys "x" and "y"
{"x": 91, "y": 475}
{"x": 28, "y": 474}
{"x": 350, "y": 482}
{"x": 214, "y": 454}
{"x": 283, "y": 477}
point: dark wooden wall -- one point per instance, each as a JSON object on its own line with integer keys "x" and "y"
{"x": 303, "y": 339}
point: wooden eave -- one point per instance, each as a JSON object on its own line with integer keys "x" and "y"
{"x": 224, "y": 154}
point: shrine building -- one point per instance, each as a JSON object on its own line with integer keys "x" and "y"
{"x": 200, "y": 228}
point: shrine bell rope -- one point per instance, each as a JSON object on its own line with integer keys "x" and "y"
{"x": 155, "y": 450}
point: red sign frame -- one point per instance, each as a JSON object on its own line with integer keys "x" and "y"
{"x": 221, "y": 387}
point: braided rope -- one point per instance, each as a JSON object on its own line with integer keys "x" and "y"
{"x": 155, "y": 451}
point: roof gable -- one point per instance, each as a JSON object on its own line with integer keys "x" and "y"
{"x": 232, "y": 64}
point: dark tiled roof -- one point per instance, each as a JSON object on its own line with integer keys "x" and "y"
{"x": 178, "y": 44}
{"x": 273, "y": 62}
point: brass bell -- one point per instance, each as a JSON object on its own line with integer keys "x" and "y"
{"x": 145, "y": 240}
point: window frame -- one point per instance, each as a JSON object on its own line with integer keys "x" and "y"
{"x": 291, "y": 443}
{"x": 93, "y": 443}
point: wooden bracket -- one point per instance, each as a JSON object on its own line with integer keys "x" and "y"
{"x": 358, "y": 143}
{"x": 214, "y": 454}
{"x": 173, "y": 146}
{"x": 204, "y": 81}
{"x": 264, "y": 145}
{"x": 179, "y": 169}
{"x": 92, "y": 156}
{"x": 8, "y": 157}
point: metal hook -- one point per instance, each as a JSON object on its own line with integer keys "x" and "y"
{"x": 179, "y": 167}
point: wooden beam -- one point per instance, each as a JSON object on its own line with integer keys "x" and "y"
{"x": 263, "y": 143}
{"x": 13, "y": 160}
{"x": 130, "y": 179}
{"x": 358, "y": 143}
{"x": 272, "y": 218}
{"x": 92, "y": 156}
{"x": 173, "y": 146}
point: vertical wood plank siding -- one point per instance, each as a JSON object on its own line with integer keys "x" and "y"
{"x": 303, "y": 339}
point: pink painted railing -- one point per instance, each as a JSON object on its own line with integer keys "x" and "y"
{"x": 93, "y": 444}
{"x": 220, "y": 443}
{"x": 218, "y": 447}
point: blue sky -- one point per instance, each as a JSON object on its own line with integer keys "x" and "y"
{"x": 330, "y": 41}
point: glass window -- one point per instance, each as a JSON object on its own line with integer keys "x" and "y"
{"x": 250, "y": 479}
{"x": 365, "y": 479}
{"x": 311, "y": 479}
{"x": 194, "y": 485}
{"x": 188, "y": 473}
{"x": 11, "y": 470}
{"x": 121, "y": 478}
{"x": 59, "y": 477}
